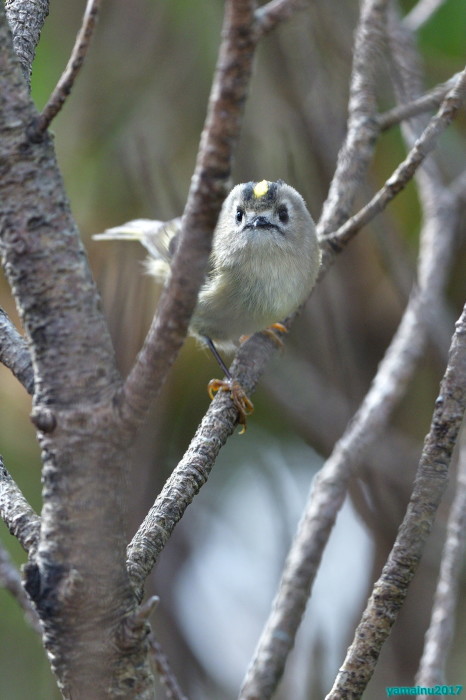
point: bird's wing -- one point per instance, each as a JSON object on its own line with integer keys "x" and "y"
{"x": 160, "y": 238}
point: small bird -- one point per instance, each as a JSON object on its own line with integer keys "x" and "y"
{"x": 264, "y": 262}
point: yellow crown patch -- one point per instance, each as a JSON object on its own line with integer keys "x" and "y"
{"x": 261, "y": 188}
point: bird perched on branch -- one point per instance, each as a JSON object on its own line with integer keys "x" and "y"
{"x": 264, "y": 262}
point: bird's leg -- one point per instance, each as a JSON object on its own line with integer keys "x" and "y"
{"x": 243, "y": 404}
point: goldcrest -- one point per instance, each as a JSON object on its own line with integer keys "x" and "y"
{"x": 264, "y": 262}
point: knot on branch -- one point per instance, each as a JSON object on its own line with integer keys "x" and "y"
{"x": 36, "y": 130}
{"x": 44, "y": 419}
{"x": 32, "y": 579}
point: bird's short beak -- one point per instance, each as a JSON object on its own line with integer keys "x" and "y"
{"x": 260, "y": 222}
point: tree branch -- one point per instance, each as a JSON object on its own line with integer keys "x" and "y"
{"x": 320, "y": 413}
{"x": 324, "y": 502}
{"x": 274, "y": 12}
{"x": 64, "y": 86}
{"x": 431, "y": 100}
{"x": 17, "y": 514}
{"x": 193, "y": 470}
{"x": 26, "y": 19}
{"x": 329, "y": 487}
{"x": 435, "y": 249}
{"x": 390, "y": 590}
{"x": 362, "y": 128}
{"x": 208, "y": 189}
{"x": 439, "y": 636}
{"x": 421, "y": 13}
{"x": 405, "y": 171}
{"x": 179, "y": 490}
{"x": 11, "y": 581}
{"x": 167, "y": 678}
{"x": 80, "y": 567}
{"x": 14, "y": 353}
{"x": 40, "y": 242}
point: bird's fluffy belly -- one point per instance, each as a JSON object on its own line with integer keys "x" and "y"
{"x": 239, "y": 301}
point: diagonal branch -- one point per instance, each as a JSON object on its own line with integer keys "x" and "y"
{"x": 439, "y": 636}
{"x": 327, "y": 494}
{"x": 362, "y": 128}
{"x": 210, "y": 183}
{"x": 431, "y": 100}
{"x": 11, "y": 581}
{"x": 329, "y": 488}
{"x": 18, "y": 515}
{"x": 208, "y": 188}
{"x": 217, "y": 425}
{"x": 65, "y": 84}
{"x": 405, "y": 171}
{"x": 179, "y": 490}
{"x": 390, "y": 590}
{"x": 14, "y": 353}
{"x": 421, "y": 13}
{"x": 439, "y": 203}
{"x": 274, "y": 12}
{"x": 164, "y": 670}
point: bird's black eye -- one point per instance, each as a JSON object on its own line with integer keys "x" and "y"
{"x": 239, "y": 215}
{"x": 283, "y": 213}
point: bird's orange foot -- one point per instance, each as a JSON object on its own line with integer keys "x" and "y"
{"x": 243, "y": 404}
{"x": 270, "y": 331}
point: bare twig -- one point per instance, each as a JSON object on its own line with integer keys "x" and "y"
{"x": 440, "y": 202}
{"x": 437, "y": 213}
{"x": 26, "y": 18}
{"x": 165, "y": 672}
{"x": 405, "y": 171}
{"x": 275, "y": 12}
{"x": 355, "y": 154}
{"x": 11, "y": 580}
{"x": 421, "y": 13}
{"x": 329, "y": 488}
{"x": 440, "y": 634}
{"x": 325, "y": 500}
{"x": 430, "y": 101}
{"x": 14, "y": 353}
{"x": 65, "y": 84}
{"x": 18, "y": 515}
{"x": 330, "y": 410}
{"x": 390, "y": 590}
{"x": 434, "y": 249}
{"x": 208, "y": 189}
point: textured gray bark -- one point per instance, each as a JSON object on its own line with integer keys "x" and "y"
{"x": 77, "y": 577}
{"x": 26, "y": 18}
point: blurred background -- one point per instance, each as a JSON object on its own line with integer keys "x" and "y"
{"x": 126, "y": 142}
